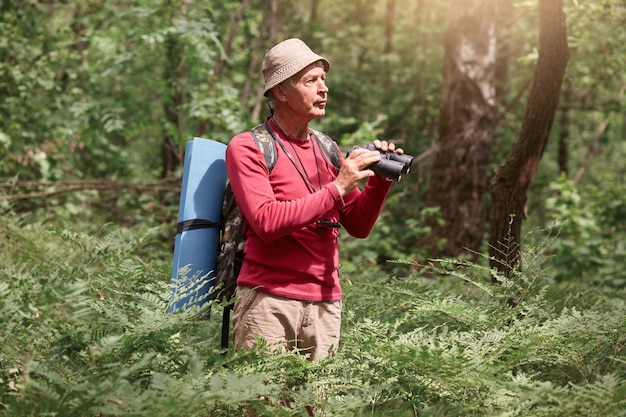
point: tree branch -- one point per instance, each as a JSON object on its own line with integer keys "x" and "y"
{"x": 593, "y": 150}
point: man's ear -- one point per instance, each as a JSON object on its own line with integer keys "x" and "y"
{"x": 279, "y": 93}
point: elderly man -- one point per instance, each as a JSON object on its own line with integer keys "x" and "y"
{"x": 288, "y": 289}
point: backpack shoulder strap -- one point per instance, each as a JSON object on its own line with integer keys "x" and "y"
{"x": 266, "y": 144}
{"x": 329, "y": 147}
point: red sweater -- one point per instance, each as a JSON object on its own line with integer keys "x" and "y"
{"x": 286, "y": 253}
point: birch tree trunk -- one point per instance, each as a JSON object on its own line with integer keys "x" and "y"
{"x": 465, "y": 133}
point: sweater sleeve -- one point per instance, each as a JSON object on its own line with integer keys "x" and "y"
{"x": 362, "y": 208}
{"x": 269, "y": 217}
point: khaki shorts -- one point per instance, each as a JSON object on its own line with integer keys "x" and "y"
{"x": 285, "y": 324}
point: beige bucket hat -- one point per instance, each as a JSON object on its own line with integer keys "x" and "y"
{"x": 286, "y": 59}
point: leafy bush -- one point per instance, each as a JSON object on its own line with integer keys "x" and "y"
{"x": 589, "y": 241}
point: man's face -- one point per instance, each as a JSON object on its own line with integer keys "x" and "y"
{"x": 307, "y": 98}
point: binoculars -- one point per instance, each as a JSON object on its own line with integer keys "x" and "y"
{"x": 391, "y": 165}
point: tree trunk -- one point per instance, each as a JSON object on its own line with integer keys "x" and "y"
{"x": 594, "y": 149}
{"x": 564, "y": 131}
{"x": 313, "y": 23}
{"x": 219, "y": 66}
{"x": 221, "y": 61}
{"x": 389, "y": 20}
{"x": 511, "y": 180}
{"x": 253, "y": 81}
{"x": 174, "y": 74}
{"x": 274, "y": 19}
{"x": 466, "y": 122}
{"x": 505, "y": 56}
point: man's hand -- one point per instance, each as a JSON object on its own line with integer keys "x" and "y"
{"x": 354, "y": 167}
{"x": 385, "y": 146}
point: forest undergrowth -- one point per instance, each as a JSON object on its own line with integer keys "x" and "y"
{"x": 85, "y": 333}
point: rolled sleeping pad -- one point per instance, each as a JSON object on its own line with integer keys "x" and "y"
{"x": 199, "y": 215}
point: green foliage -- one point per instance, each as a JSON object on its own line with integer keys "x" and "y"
{"x": 391, "y": 238}
{"x": 85, "y": 333}
{"x": 589, "y": 238}
{"x": 88, "y": 87}
{"x": 90, "y": 90}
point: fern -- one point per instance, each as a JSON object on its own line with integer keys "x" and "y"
{"x": 85, "y": 332}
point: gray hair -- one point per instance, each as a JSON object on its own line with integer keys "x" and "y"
{"x": 271, "y": 98}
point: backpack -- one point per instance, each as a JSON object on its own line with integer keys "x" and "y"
{"x": 231, "y": 249}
